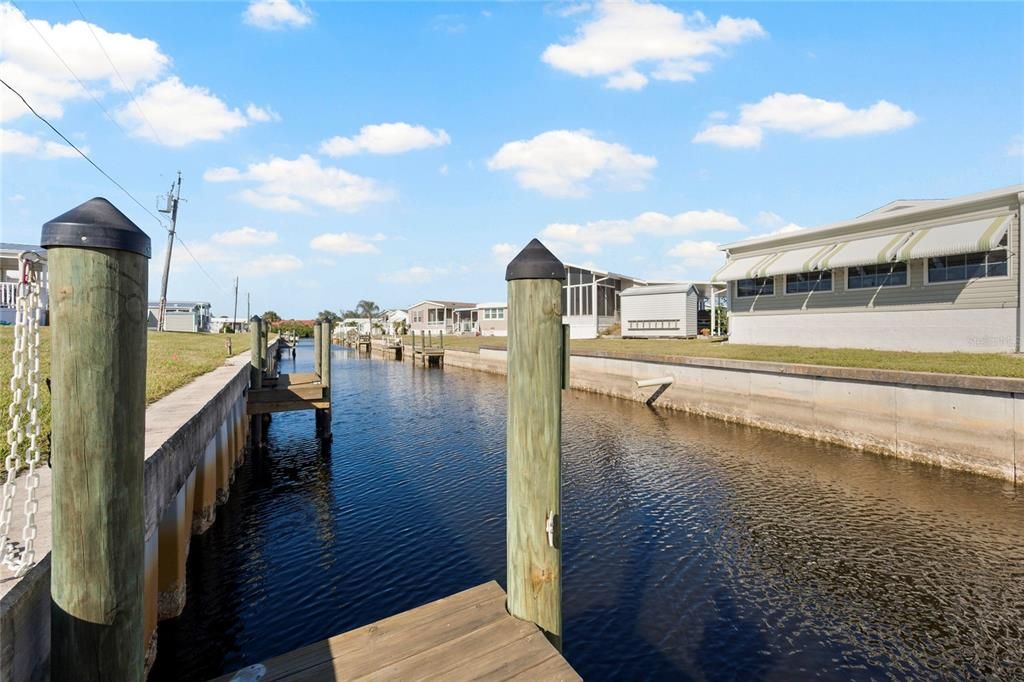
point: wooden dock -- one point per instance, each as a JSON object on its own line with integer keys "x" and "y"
{"x": 289, "y": 392}
{"x": 426, "y": 353}
{"x": 467, "y": 636}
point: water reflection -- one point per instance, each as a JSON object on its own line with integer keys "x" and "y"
{"x": 693, "y": 549}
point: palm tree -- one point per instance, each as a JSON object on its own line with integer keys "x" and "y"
{"x": 328, "y": 316}
{"x": 367, "y": 309}
{"x": 271, "y": 318}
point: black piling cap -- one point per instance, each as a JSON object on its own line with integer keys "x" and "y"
{"x": 96, "y": 224}
{"x": 535, "y": 262}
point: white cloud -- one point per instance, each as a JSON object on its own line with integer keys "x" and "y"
{"x": 180, "y": 114}
{"x": 697, "y": 253}
{"x": 1016, "y": 146}
{"x": 592, "y": 236}
{"x": 809, "y": 116}
{"x": 417, "y": 274}
{"x": 17, "y": 143}
{"x": 16, "y": 198}
{"x": 245, "y": 236}
{"x": 624, "y": 38}
{"x": 273, "y": 263}
{"x": 222, "y": 174}
{"x": 443, "y": 169}
{"x": 775, "y": 223}
{"x": 730, "y": 136}
{"x": 564, "y": 162}
{"x": 261, "y": 114}
{"x": 344, "y": 243}
{"x": 277, "y": 14}
{"x": 30, "y": 67}
{"x": 293, "y": 184}
{"x": 504, "y": 250}
{"x": 385, "y": 138}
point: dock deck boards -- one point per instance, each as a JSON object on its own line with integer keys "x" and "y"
{"x": 466, "y": 636}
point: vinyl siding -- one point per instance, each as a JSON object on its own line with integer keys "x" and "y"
{"x": 674, "y": 306}
{"x": 977, "y": 294}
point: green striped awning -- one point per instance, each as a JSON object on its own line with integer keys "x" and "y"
{"x": 981, "y": 234}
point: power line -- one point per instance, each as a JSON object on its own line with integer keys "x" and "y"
{"x": 189, "y": 252}
{"x": 107, "y": 176}
{"x": 131, "y": 93}
{"x": 81, "y": 153}
{"x": 70, "y": 70}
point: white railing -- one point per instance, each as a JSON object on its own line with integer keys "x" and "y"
{"x": 8, "y": 294}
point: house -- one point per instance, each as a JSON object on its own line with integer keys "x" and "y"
{"x": 10, "y": 277}
{"x": 590, "y": 299}
{"x": 666, "y": 310}
{"x": 181, "y": 316}
{"x": 362, "y": 325}
{"x": 390, "y": 318}
{"x": 238, "y": 324}
{"x": 435, "y": 315}
{"x": 483, "y": 319}
{"x": 936, "y": 275}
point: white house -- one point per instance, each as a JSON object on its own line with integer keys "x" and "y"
{"x": 933, "y": 275}
{"x": 484, "y": 319}
{"x": 10, "y": 276}
{"x": 239, "y": 324}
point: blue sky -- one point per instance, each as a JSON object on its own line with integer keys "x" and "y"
{"x": 400, "y": 151}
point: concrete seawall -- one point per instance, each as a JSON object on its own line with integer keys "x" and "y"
{"x": 195, "y": 438}
{"x": 973, "y": 424}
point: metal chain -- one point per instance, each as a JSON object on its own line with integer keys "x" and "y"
{"x": 24, "y": 416}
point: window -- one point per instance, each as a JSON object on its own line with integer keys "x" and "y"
{"x": 806, "y": 282}
{"x": 648, "y": 325}
{"x": 967, "y": 266}
{"x": 759, "y": 286}
{"x": 873, "y": 276}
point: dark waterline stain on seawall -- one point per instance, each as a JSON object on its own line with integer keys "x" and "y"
{"x": 693, "y": 549}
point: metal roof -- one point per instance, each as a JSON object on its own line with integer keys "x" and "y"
{"x": 678, "y": 288}
{"x": 892, "y": 214}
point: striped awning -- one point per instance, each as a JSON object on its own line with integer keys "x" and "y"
{"x": 740, "y": 268}
{"x": 867, "y": 251}
{"x": 797, "y": 260}
{"x": 983, "y": 234}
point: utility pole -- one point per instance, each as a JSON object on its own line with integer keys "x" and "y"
{"x": 172, "y": 207}
{"x": 247, "y": 314}
{"x": 234, "y": 315}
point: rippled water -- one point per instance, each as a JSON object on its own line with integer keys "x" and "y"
{"x": 693, "y": 549}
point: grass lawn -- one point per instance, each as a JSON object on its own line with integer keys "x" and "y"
{"x": 977, "y": 364}
{"x": 173, "y": 360}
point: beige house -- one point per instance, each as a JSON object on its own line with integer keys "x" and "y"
{"x": 935, "y": 275}
{"x": 435, "y": 315}
{"x": 483, "y": 319}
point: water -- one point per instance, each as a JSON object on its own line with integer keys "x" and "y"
{"x": 693, "y": 549}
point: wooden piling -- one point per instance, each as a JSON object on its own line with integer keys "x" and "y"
{"x": 98, "y": 269}
{"x": 317, "y": 356}
{"x": 255, "y": 379}
{"x": 324, "y": 430}
{"x": 533, "y": 525}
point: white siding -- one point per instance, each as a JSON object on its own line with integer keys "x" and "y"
{"x": 980, "y": 330}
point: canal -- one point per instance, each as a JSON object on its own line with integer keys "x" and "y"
{"x": 693, "y": 549}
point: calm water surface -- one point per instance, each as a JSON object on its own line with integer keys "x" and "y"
{"x": 693, "y": 549}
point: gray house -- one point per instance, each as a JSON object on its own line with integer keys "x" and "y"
{"x": 665, "y": 310}
{"x": 935, "y": 275}
{"x": 181, "y": 316}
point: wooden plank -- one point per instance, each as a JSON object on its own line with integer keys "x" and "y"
{"x": 286, "y": 406}
{"x": 554, "y": 669}
{"x": 457, "y": 650}
{"x": 273, "y": 395}
{"x": 488, "y": 598}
